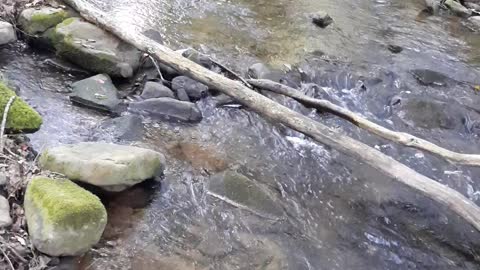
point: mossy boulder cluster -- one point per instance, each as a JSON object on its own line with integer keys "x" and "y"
{"x": 80, "y": 42}
{"x": 63, "y": 218}
{"x": 21, "y": 117}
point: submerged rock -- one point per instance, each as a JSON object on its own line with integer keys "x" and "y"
{"x": 156, "y": 90}
{"x": 457, "y": 8}
{"x": 430, "y": 77}
{"x": 245, "y": 191}
{"x": 97, "y": 92}
{"x": 7, "y": 33}
{"x": 35, "y": 21}
{"x": 430, "y": 114}
{"x": 170, "y": 108}
{"x": 5, "y": 219}
{"x": 394, "y": 48}
{"x": 63, "y": 218}
{"x": 263, "y": 253}
{"x": 124, "y": 128}
{"x": 94, "y": 49}
{"x": 322, "y": 19}
{"x": 21, "y": 117}
{"x": 195, "y": 90}
{"x": 110, "y": 166}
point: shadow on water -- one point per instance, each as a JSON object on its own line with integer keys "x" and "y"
{"x": 336, "y": 212}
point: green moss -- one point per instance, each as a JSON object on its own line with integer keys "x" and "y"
{"x": 66, "y": 22}
{"x": 21, "y": 117}
{"x": 40, "y": 22}
{"x": 64, "y": 203}
{"x": 66, "y": 47}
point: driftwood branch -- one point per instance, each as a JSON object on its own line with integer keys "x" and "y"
{"x": 445, "y": 196}
{"x": 394, "y": 136}
{"x": 4, "y": 122}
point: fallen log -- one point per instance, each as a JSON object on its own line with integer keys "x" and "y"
{"x": 445, "y": 196}
{"x": 394, "y": 136}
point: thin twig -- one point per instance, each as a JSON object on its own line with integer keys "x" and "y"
{"x": 157, "y": 67}
{"x": 4, "y": 121}
{"x": 8, "y": 259}
{"x": 240, "y": 206}
{"x": 13, "y": 251}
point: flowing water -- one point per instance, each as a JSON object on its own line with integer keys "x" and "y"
{"x": 338, "y": 213}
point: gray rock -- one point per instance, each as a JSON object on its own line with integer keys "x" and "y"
{"x": 262, "y": 71}
{"x": 156, "y": 90}
{"x": 195, "y": 90}
{"x": 430, "y": 77}
{"x": 97, "y": 92}
{"x": 94, "y": 49}
{"x": 170, "y": 108}
{"x": 458, "y": 9}
{"x": 35, "y": 21}
{"x": 475, "y": 20}
{"x": 245, "y": 191}
{"x": 182, "y": 95}
{"x": 322, "y": 19}
{"x": 124, "y": 128}
{"x": 5, "y": 219}
{"x": 109, "y": 166}
{"x": 7, "y": 33}
{"x": 472, "y": 6}
{"x": 3, "y": 179}
{"x": 430, "y": 114}
{"x": 433, "y": 5}
{"x": 199, "y": 58}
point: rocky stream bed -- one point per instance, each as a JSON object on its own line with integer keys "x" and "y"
{"x": 129, "y": 165}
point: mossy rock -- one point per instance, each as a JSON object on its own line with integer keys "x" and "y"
{"x": 245, "y": 191}
{"x": 94, "y": 49}
{"x": 63, "y": 218}
{"x": 35, "y": 21}
{"x": 21, "y": 117}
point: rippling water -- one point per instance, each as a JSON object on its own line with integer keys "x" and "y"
{"x": 340, "y": 214}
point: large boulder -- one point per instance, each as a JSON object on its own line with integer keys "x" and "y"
{"x": 21, "y": 117}
{"x": 110, "y": 166}
{"x": 246, "y": 192}
{"x": 97, "y": 92}
{"x": 35, "y": 21}
{"x": 169, "y": 108}
{"x": 7, "y": 33}
{"x": 94, "y": 49}
{"x": 63, "y": 218}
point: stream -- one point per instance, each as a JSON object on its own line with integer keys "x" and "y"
{"x": 340, "y": 213}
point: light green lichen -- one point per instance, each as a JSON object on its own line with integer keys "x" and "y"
{"x": 65, "y": 204}
{"x": 21, "y": 117}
